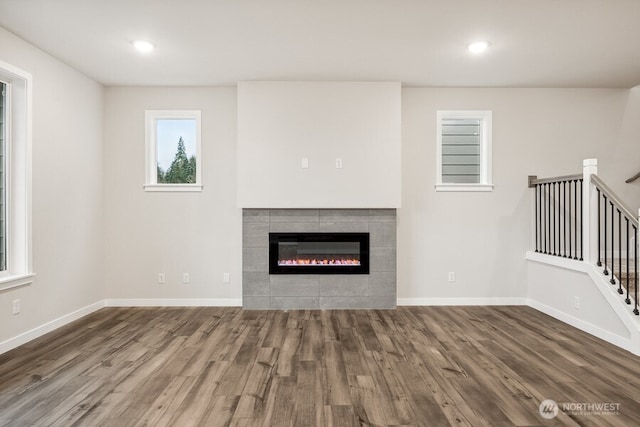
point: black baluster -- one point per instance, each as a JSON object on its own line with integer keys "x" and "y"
{"x": 555, "y": 229}
{"x": 551, "y": 219}
{"x": 557, "y": 217}
{"x": 604, "y": 227}
{"x": 613, "y": 246}
{"x": 620, "y": 291}
{"x": 552, "y": 216}
{"x": 627, "y": 300}
{"x": 570, "y": 219}
{"x": 564, "y": 222}
{"x": 635, "y": 269}
{"x": 540, "y": 215}
{"x": 575, "y": 209}
{"x": 581, "y": 225}
{"x": 599, "y": 231}
{"x": 544, "y": 215}
{"x": 535, "y": 197}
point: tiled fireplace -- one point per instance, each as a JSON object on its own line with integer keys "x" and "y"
{"x": 311, "y": 282}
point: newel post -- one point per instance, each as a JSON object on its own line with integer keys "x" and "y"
{"x": 589, "y": 210}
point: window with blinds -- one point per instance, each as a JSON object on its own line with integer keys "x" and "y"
{"x": 461, "y": 151}
{"x": 464, "y": 151}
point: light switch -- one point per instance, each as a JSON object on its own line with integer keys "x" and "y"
{"x": 304, "y": 163}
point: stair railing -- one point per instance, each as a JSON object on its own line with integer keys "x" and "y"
{"x": 580, "y": 218}
{"x": 617, "y": 225}
{"x": 558, "y": 216}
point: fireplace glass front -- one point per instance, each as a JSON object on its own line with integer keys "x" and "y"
{"x": 318, "y": 253}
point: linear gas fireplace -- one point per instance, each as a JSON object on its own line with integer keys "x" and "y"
{"x": 318, "y": 253}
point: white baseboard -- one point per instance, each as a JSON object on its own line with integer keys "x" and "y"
{"x": 462, "y": 301}
{"x": 178, "y": 302}
{"x": 617, "y": 340}
{"x": 37, "y": 332}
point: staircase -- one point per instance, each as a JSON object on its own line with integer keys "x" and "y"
{"x": 579, "y": 217}
{"x": 582, "y": 226}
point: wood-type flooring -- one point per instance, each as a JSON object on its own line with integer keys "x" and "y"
{"x": 419, "y": 366}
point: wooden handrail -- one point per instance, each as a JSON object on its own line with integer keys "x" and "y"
{"x": 633, "y": 178}
{"x": 533, "y": 180}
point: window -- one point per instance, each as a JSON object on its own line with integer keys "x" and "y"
{"x": 15, "y": 177}
{"x": 463, "y": 151}
{"x": 173, "y": 160}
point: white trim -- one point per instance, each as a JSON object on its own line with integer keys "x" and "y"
{"x": 462, "y": 301}
{"x": 172, "y": 187}
{"x": 464, "y": 187}
{"x": 10, "y": 282}
{"x": 486, "y": 178}
{"x": 569, "y": 264}
{"x": 151, "y": 158}
{"x": 591, "y": 203}
{"x": 178, "y": 302}
{"x": 37, "y": 332}
{"x": 18, "y": 175}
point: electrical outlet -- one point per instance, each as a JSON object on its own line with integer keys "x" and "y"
{"x": 338, "y": 163}
{"x": 161, "y": 278}
{"x": 185, "y": 277}
{"x": 576, "y": 303}
{"x": 226, "y": 278}
{"x": 452, "y": 276}
{"x": 16, "y": 306}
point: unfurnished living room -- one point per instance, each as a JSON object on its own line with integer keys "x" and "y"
{"x": 319, "y": 213}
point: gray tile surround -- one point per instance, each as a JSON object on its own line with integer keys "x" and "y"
{"x": 260, "y": 290}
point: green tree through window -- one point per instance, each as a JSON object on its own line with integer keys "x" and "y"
{"x": 173, "y": 145}
{"x": 182, "y": 169}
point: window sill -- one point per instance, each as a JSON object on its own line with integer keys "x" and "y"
{"x": 464, "y": 187}
{"x": 173, "y": 187}
{"x": 15, "y": 281}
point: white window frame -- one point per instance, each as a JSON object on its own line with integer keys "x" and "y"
{"x": 18, "y": 177}
{"x": 485, "y": 116}
{"x": 151, "y": 171}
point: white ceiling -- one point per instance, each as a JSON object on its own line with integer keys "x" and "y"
{"x": 534, "y": 43}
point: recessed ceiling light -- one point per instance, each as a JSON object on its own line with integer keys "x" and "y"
{"x": 478, "y": 47}
{"x": 143, "y": 46}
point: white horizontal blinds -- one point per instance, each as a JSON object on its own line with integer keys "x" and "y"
{"x": 461, "y": 151}
{"x": 3, "y": 134}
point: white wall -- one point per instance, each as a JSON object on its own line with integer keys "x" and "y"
{"x": 67, "y": 192}
{"x": 279, "y": 123}
{"x": 482, "y": 237}
{"x": 148, "y": 232}
{"x": 623, "y": 157}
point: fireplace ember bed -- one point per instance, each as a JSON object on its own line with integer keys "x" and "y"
{"x": 318, "y": 253}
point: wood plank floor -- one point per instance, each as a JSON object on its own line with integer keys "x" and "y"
{"x": 427, "y": 366}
